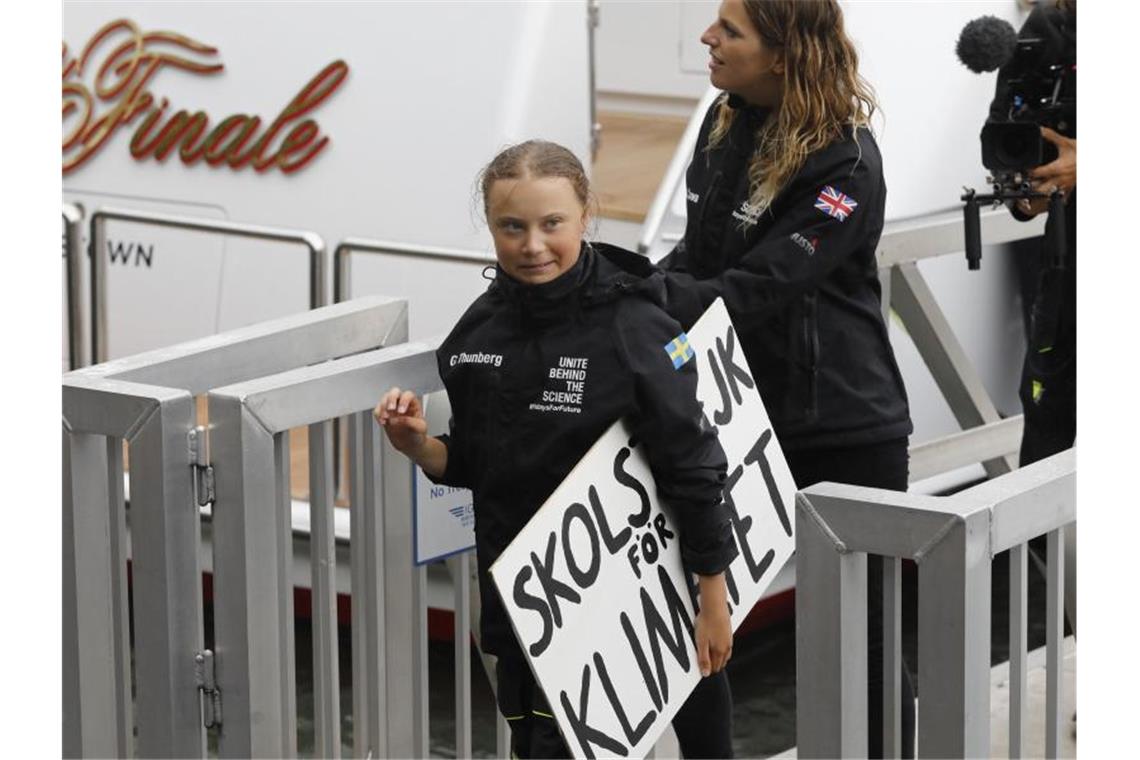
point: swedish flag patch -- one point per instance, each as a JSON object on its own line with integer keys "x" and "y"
{"x": 679, "y": 350}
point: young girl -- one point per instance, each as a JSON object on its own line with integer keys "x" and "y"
{"x": 556, "y": 297}
{"x": 786, "y": 200}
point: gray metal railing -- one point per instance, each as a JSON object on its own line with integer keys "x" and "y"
{"x": 73, "y": 241}
{"x": 953, "y": 540}
{"x": 342, "y": 269}
{"x": 312, "y": 242}
{"x": 674, "y": 174}
{"x": 251, "y": 421}
{"x": 148, "y": 401}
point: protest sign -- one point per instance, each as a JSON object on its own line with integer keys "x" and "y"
{"x": 594, "y": 585}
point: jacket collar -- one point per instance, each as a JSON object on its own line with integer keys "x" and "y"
{"x": 546, "y": 301}
{"x": 754, "y": 116}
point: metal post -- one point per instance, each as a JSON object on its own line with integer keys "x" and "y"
{"x": 165, "y": 535}
{"x": 119, "y": 602}
{"x": 892, "y": 656}
{"x": 374, "y": 667}
{"x": 73, "y": 219}
{"x": 326, "y": 680}
{"x": 461, "y": 583}
{"x": 359, "y": 568}
{"x": 831, "y": 641}
{"x": 90, "y": 718}
{"x": 403, "y": 608}
{"x": 954, "y": 640}
{"x": 247, "y": 599}
{"x": 282, "y": 467}
{"x": 1018, "y": 644}
{"x": 97, "y": 241}
{"x": 1054, "y": 638}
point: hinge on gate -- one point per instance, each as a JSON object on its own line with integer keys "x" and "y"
{"x": 211, "y": 697}
{"x": 203, "y": 470}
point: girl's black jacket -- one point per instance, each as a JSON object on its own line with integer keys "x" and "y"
{"x": 800, "y": 283}
{"x": 536, "y": 373}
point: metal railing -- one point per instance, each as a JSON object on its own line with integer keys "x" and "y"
{"x": 312, "y": 242}
{"x": 148, "y": 401}
{"x": 674, "y": 175}
{"x": 342, "y": 270}
{"x": 985, "y": 437}
{"x": 73, "y": 241}
{"x": 953, "y": 541}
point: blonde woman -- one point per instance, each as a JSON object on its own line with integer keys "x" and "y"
{"x": 785, "y": 209}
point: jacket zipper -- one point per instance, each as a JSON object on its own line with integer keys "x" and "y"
{"x": 811, "y": 349}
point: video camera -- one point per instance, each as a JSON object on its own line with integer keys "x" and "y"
{"x": 1039, "y": 90}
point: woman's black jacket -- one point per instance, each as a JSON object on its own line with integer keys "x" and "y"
{"x": 598, "y": 335}
{"x": 800, "y": 282}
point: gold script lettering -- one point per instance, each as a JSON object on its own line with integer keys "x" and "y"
{"x": 118, "y": 94}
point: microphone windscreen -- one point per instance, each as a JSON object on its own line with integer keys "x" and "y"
{"x": 986, "y": 44}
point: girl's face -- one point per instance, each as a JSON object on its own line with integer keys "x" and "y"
{"x": 537, "y": 225}
{"x": 739, "y": 60}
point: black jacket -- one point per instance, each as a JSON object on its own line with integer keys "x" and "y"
{"x": 800, "y": 284}
{"x": 513, "y": 439}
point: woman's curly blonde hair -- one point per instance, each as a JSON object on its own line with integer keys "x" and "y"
{"x": 823, "y": 91}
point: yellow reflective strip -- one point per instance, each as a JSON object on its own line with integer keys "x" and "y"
{"x": 514, "y": 717}
{"x": 542, "y": 714}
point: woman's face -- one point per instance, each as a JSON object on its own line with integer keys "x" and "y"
{"x": 739, "y": 60}
{"x": 537, "y": 225}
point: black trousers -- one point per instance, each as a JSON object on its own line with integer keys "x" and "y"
{"x": 703, "y": 724}
{"x": 882, "y": 465}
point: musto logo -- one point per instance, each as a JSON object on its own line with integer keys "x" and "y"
{"x": 107, "y": 88}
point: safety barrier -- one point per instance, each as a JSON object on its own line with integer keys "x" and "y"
{"x": 953, "y": 541}
{"x": 312, "y": 242}
{"x": 73, "y": 250}
{"x": 342, "y": 270}
{"x": 148, "y": 401}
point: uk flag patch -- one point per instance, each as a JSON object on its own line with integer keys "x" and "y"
{"x": 834, "y": 203}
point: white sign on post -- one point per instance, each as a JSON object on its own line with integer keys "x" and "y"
{"x": 594, "y": 584}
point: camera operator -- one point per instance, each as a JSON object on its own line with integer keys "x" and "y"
{"x": 1048, "y": 387}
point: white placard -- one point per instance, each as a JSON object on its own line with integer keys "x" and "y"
{"x": 594, "y": 585}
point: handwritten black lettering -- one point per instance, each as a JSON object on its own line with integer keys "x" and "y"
{"x": 634, "y": 560}
{"x": 632, "y": 735}
{"x": 584, "y": 578}
{"x": 551, "y": 586}
{"x": 649, "y": 548}
{"x": 741, "y": 526}
{"x": 632, "y": 483}
{"x": 756, "y": 455}
{"x": 663, "y": 532}
{"x": 586, "y": 734}
{"x": 528, "y": 602}
{"x": 642, "y": 662}
{"x": 613, "y": 543}
{"x": 658, "y": 630}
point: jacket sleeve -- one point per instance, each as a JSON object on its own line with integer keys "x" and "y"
{"x": 805, "y": 244}
{"x": 457, "y": 472}
{"x": 684, "y": 454}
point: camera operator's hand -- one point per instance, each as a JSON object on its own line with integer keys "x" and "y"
{"x": 1060, "y": 174}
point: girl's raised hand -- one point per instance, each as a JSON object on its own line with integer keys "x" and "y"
{"x": 401, "y": 415}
